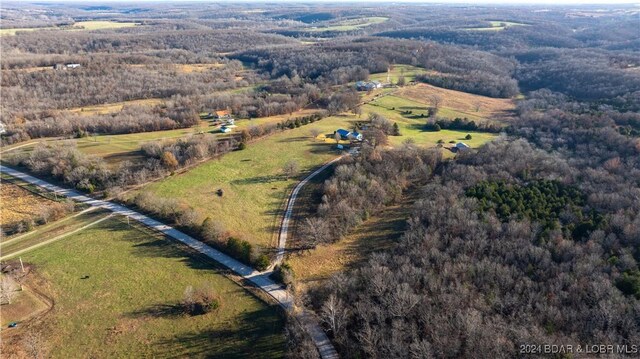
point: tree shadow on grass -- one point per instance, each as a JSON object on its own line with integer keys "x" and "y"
{"x": 295, "y": 139}
{"x": 159, "y": 311}
{"x": 147, "y": 243}
{"x": 258, "y": 179}
{"x": 255, "y": 334}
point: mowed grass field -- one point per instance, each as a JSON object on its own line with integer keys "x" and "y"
{"x": 497, "y": 25}
{"x": 416, "y": 99}
{"x": 126, "y": 304}
{"x": 80, "y": 25}
{"x": 252, "y": 180}
{"x": 352, "y": 24}
{"x": 409, "y": 72}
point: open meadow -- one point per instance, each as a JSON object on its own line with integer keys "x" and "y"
{"x": 352, "y": 24}
{"x": 117, "y": 290}
{"x": 409, "y": 72}
{"x": 80, "y": 25}
{"x": 252, "y": 180}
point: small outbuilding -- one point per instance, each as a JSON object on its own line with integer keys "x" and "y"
{"x": 225, "y": 129}
{"x": 460, "y": 146}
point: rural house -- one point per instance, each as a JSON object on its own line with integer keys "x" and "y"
{"x": 368, "y": 85}
{"x": 348, "y": 135}
{"x": 223, "y": 114}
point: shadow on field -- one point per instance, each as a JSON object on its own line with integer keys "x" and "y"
{"x": 321, "y": 147}
{"x": 149, "y": 244}
{"x": 159, "y": 311}
{"x": 295, "y": 139}
{"x": 250, "y": 336}
{"x": 258, "y": 179}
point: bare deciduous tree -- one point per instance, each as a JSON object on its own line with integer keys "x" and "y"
{"x": 315, "y": 132}
{"x": 334, "y": 314}
{"x": 291, "y": 169}
{"x": 435, "y": 100}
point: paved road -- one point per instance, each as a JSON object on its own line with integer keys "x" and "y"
{"x": 260, "y": 280}
{"x": 284, "y": 227}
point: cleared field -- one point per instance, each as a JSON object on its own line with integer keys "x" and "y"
{"x": 352, "y": 24}
{"x": 189, "y": 68}
{"x": 114, "y": 107}
{"x": 468, "y": 105}
{"x": 252, "y": 180}
{"x": 102, "y": 25}
{"x": 497, "y": 25}
{"x": 415, "y": 99}
{"x": 116, "y": 289}
{"x": 394, "y": 105}
{"x": 26, "y": 304}
{"x": 409, "y": 72}
{"x": 12, "y": 245}
{"x": 18, "y": 204}
{"x": 80, "y": 25}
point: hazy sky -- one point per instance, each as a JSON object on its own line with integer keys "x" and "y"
{"x": 515, "y": 2}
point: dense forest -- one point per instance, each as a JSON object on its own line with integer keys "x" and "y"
{"x": 512, "y": 245}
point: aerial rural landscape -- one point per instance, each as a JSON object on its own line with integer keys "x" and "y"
{"x": 330, "y": 180}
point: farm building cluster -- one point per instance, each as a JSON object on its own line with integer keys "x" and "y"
{"x": 348, "y": 135}
{"x": 222, "y": 118}
{"x": 368, "y": 85}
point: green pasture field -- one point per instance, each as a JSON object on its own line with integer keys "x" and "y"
{"x": 117, "y": 288}
{"x": 409, "y": 72}
{"x": 80, "y": 25}
{"x": 252, "y": 180}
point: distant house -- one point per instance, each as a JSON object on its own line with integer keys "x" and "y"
{"x": 355, "y": 135}
{"x": 368, "y": 85}
{"x": 230, "y": 121}
{"x": 348, "y": 135}
{"x": 223, "y": 114}
{"x": 3, "y": 130}
{"x": 225, "y": 129}
{"x": 65, "y": 66}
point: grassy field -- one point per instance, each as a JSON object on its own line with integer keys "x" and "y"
{"x": 409, "y": 72}
{"x": 497, "y": 25}
{"x": 24, "y": 204}
{"x": 80, "y": 25}
{"x": 126, "y": 305}
{"x": 118, "y": 148}
{"x": 252, "y": 180}
{"x": 352, "y": 24}
{"x": 394, "y": 104}
{"x": 114, "y": 107}
{"x": 56, "y": 230}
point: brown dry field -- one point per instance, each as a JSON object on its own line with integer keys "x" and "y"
{"x": 17, "y": 204}
{"x": 460, "y": 101}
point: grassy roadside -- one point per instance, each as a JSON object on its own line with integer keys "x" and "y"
{"x": 133, "y": 280}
